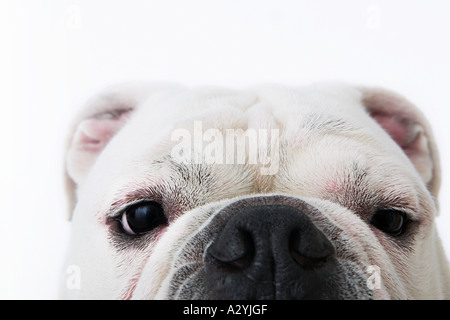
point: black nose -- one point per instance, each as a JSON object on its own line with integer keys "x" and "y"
{"x": 270, "y": 251}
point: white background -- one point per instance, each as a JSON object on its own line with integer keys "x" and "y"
{"x": 55, "y": 53}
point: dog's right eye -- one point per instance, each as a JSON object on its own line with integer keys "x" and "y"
{"x": 143, "y": 217}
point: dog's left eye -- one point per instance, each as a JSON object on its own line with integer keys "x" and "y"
{"x": 143, "y": 217}
{"x": 390, "y": 221}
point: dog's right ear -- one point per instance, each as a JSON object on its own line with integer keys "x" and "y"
{"x": 93, "y": 128}
{"x": 99, "y": 121}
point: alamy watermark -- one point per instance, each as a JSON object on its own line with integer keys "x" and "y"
{"x": 259, "y": 147}
{"x": 373, "y": 21}
{"x": 373, "y": 281}
{"x": 73, "y": 280}
{"x": 74, "y": 19}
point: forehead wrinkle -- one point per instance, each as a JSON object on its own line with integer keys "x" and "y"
{"x": 325, "y": 123}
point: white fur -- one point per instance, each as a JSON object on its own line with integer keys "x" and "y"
{"x": 315, "y": 151}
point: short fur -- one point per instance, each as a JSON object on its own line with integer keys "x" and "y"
{"x": 343, "y": 150}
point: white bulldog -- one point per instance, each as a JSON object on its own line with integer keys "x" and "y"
{"x": 322, "y": 192}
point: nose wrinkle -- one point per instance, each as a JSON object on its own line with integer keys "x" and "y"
{"x": 268, "y": 148}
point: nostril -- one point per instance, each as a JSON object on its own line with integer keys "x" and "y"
{"x": 236, "y": 252}
{"x": 307, "y": 262}
{"x": 309, "y": 249}
{"x": 239, "y": 264}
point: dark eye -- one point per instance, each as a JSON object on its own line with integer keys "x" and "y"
{"x": 143, "y": 217}
{"x": 390, "y": 221}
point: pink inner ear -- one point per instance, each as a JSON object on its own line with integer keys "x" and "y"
{"x": 94, "y": 133}
{"x": 401, "y": 130}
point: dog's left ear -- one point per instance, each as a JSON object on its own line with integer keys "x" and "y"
{"x": 408, "y": 127}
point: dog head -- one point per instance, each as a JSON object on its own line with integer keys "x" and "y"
{"x": 321, "y": 192}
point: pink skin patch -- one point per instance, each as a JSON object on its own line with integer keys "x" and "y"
{"x": 333, "y": 186}
{"x": 401, "y": 130}
{"x": 94, "y": 133}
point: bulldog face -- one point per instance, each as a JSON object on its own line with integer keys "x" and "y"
{"x": 322, "y": 192}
